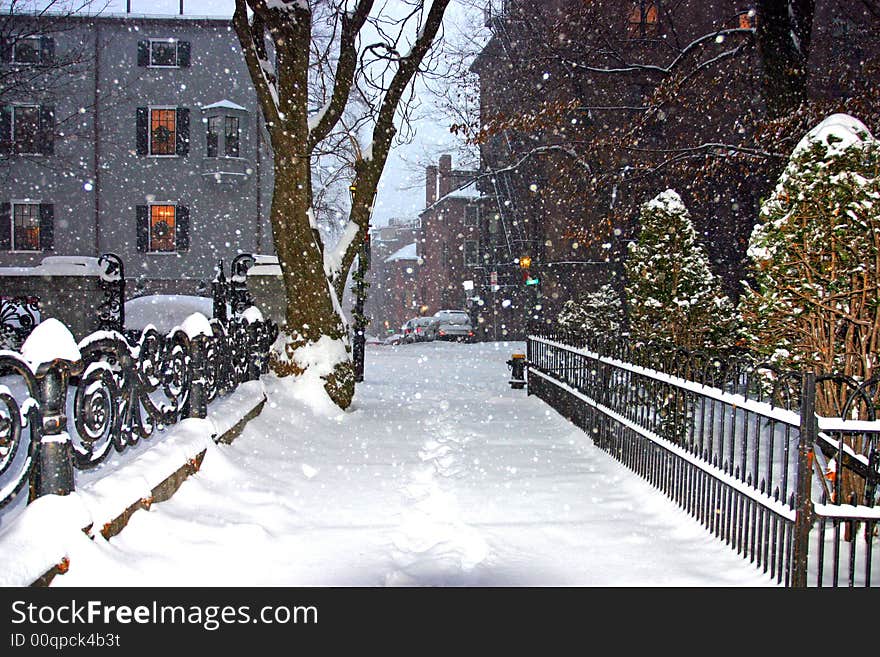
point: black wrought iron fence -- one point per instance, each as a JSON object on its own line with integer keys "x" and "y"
{"x": 120, "y": 390}
{"x": 734, "y": 442}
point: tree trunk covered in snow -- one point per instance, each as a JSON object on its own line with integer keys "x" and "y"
{"x": 783, "y": 33}
{"x": 315, "y": 335}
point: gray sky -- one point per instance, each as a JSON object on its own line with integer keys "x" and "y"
{"x": 401, "y": 193}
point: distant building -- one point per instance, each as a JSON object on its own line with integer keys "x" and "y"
{"x": 401, "y": 270}
{"x": 384, "y": 306}
{"x": 154, "y": 150}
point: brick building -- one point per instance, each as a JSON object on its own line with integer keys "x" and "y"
{"x": 565, "y": 182}
{"x": 385, "y": 305}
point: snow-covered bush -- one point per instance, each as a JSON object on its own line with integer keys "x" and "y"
{"x": 814, "y": 302}
{"x": 672, "y": 294}
{"x": 814, "y": 256}
{"x": 597, "y": 314}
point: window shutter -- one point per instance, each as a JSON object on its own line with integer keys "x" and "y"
{"x": 47, "y": 226}
{"x": 143, "y": 228}
{"x": 143, "y": 53}
{"x": 47, "y": 130}
{"x": 5, "y": 50}
{"x": 5, "y": 130}
{"x": 143, "y": 120}
{"x": 183, "y": 54}
{"x": 5, "y": 226}
{"x": 182, "y": 131}
{"x": 181, "y": 221}
{"x": 47, "y": 50}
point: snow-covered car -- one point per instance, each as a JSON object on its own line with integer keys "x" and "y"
{"x": 452, "y": 325}
{"x": 393, "y": 339}
{"x": 419, "y": 329}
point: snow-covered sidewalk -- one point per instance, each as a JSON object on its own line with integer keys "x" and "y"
{"x": 440, "y": 474}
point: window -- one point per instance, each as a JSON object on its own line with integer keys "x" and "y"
{"x": 27, "y": 50}
{"x": 213, "y": 135}
{"x": 26, "y": 226}
{"x": 163, "y": 53}
{"x": 643, "y": 19}
{"x": 163, "y": 132}
{"x": 748, "y": 20}
{"x": 162, "y": 228}
{"x": 162, "y": 224}
{"x": 232, "y": 136}
{"x": 494, "y": 224}
{"x": 471, "y": 253}
{"x": 27, "y": 129}
{"x": 472, "y": 215}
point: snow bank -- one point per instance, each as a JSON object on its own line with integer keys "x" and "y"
{"x": 42, "y": 536}
{"x": 51, "y": 528}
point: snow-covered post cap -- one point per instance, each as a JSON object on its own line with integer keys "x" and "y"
{"x": 252, "y": 315}
{"x": 53, "y": 356}
{"x": 195, "y": 325}
{"x": 50, "y": 343}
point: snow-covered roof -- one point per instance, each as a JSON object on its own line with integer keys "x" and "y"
{"x": 224, "y": 104}
{"x": 468, "y": 191}
{"x": 408, "y": 252}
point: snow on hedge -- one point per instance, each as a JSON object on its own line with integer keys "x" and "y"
{"x": 673, "y": 295}
{"x": 814, "y": 298}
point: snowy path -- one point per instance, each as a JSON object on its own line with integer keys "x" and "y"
{"x": 439, "y": 475}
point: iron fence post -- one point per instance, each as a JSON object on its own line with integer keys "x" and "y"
{"x": 809, "y": 430}
{"x": 53, "y": 474}
{"x": 198, "y": 398}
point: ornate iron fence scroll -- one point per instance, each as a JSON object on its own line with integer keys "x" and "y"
{"x": 736, "y": 443}
{"x": 120, "y": 392}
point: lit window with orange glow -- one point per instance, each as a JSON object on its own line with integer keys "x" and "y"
{"x": 162, "y": 223}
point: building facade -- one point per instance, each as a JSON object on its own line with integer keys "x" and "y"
{"x": 152, "y": 147}
{"x": 630, "y": 98}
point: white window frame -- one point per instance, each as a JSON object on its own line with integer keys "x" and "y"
{"x": 176, "y": 43}
{"x": 221, "y": 136}
{"x": 150, "y": 152}
{"x": 150, "y": 207}
{"x": 39, "y": 41}
{"x": 12, "y": 205}
{"x": 12, "y": 139}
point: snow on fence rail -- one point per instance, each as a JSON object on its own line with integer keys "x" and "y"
{"x": 117, "y": 388}
{"x": 735, "y": 443}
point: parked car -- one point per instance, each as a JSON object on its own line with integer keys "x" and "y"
{"x": 419, "y": 329}
{"x": 453, "y": 325}
{"x": 393, "y": 339}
